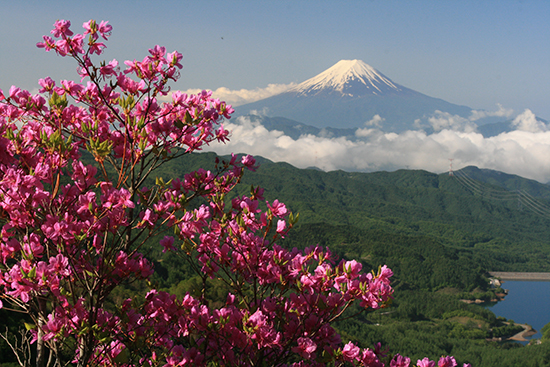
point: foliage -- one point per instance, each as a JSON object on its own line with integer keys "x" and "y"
{"x": 545, "y": 332}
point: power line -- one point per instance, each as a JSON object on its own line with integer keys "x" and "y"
{"x": 523, "y": 198}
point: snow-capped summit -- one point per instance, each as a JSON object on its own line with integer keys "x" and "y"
{"x": 351, "y": 78}
{"x": 350, "y": 94}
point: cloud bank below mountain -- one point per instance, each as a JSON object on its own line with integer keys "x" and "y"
{"x": 523, "y": 152}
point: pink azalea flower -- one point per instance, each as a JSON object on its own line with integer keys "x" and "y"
{"x": 96, "y": 48}
{"x": 306, "y": 347}
{"x": 148, "y": 217}
{"x": 281, "y": 226}
{"x": 352, "y": 269}
{"x": 62, "y": 28}
{"x": 14, "y": 91}
{"x": 446, "y": 362}
{"x": 104, "y": 29}
{"x": 248, "y": 161}
{"x": 109, "y": 69}
{"x": 167, "y": 243}
{"x": 157, "y": 52}
{"x": 174, "y": 59}
{"x": 351, "y": 352}
{"x": 53, "y": 327}
{"x": 400, "y": 361}
{"x": 47, "y": 85}
{"x": 89, "y": 26}
{"x": 278, "y": 209}
{"x": 370, "y": 359}
{"x": 48, "y": 44}
{"x": 425, "y": 363}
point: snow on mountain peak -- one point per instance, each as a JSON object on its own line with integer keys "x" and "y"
{"x": 349, "y": 77}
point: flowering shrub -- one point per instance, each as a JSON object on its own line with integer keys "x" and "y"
{"x": 72, "y": 232}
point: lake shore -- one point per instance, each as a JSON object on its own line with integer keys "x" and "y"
{"x": 503, "y": 275}
{"x": 526, "y": 303}
{"x": 527, "y": 332}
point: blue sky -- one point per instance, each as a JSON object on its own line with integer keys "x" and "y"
{"x": 475, "y": 53}
{"x": 487, "y": 55}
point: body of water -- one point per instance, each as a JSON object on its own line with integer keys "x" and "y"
{"x": 527, "y": 302}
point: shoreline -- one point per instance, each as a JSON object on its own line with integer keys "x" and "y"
{"x": 528, "y": 331}
{"x": 498, "y": 278}
{"x": 504, "y": 275}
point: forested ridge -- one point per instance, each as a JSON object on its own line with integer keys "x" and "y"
{"x": 413, "y": 205}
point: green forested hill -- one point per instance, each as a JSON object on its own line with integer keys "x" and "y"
{"x": 470, "y": 215}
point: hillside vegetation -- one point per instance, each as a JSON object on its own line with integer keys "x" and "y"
{"x": 408, "y": 210}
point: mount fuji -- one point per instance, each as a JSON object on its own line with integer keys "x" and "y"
{"x": 350, "y": 94}
{"x": 349, "y": 78}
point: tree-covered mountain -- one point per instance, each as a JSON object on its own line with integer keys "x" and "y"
{"x": 475, "y": 213}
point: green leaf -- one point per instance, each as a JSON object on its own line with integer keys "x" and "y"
{"x": 9, "y": 134}
{"x": 58, "y": 101}
{"x": 142, "y": 144}
{"x": 122, "y": 357}
{"x": 100, "y": 149}
{"x": 141, "y": 123}
{"x": 188, "y": 118}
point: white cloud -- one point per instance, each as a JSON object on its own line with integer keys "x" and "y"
{"x": 263, "y": 112}
{"x": 375, "y": 122}
{"x": 501, "y": 112}
{"x": 524, "y": 153}
{"x": 527, "y": 121}
{"x": 444, "y": 120}
{"x": 243, "y": 96}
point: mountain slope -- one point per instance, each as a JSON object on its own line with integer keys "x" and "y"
{"x": 348, "y": 95}
{"x": 485, "y": 221}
